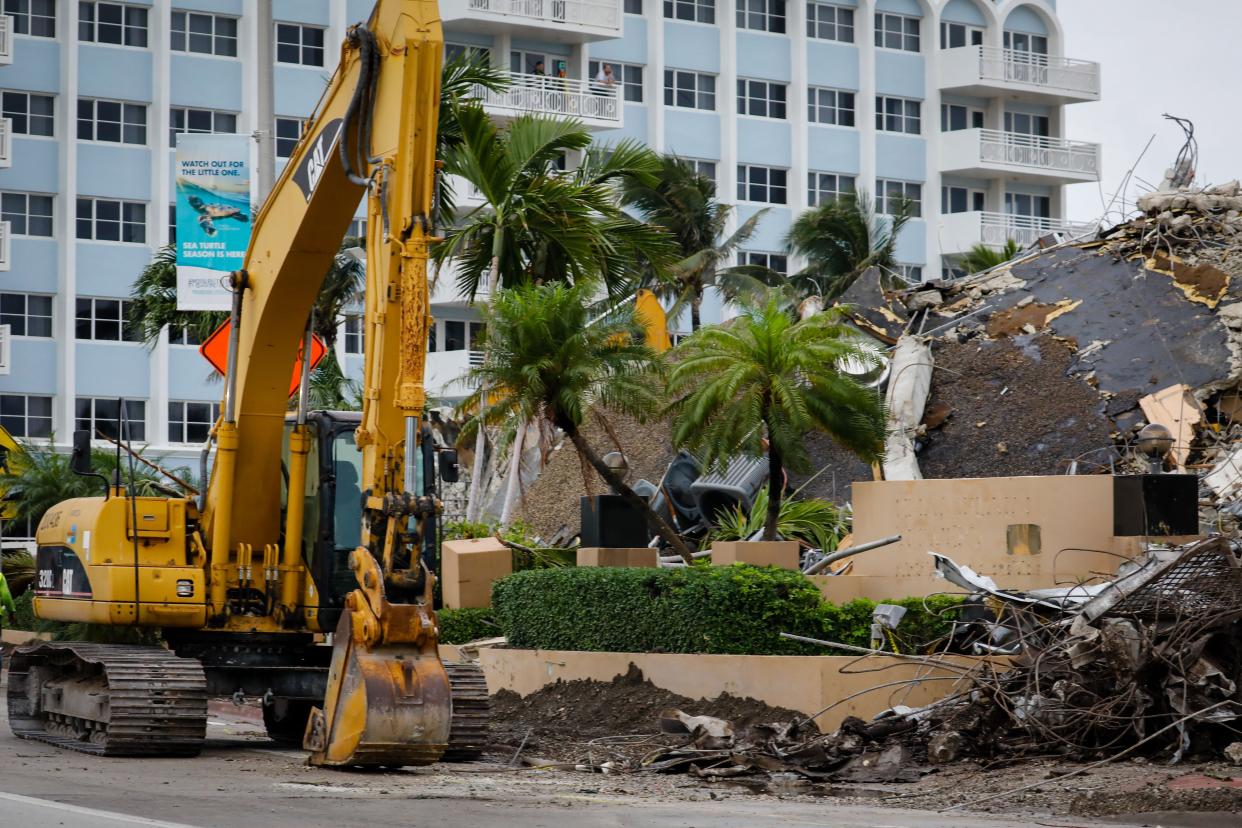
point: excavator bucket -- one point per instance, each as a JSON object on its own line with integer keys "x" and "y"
{"x": 388, "y": 700}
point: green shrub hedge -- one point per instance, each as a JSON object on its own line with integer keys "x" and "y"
{"x": 730, "y": 609}
{"x": 458, "y": 626}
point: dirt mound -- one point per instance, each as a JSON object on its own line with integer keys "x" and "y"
{"x": 563, "y": 717}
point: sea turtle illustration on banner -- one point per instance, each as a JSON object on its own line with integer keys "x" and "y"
{"x": 208, "y": 213}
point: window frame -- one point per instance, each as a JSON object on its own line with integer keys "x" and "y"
{"x": 622, "y": 72}
{"x": 1012, "y": 200}
{"x": 137, "y": 418}
{"x": 747, "y": 183}
{"x": 814, "y": 25}
{"x": 816, "y": 193}
{"x": 883, "y": 193}
{"x": 628, "y": 5}
{"x": 182, "y": 337}
{"x": 905, "y": 118}
{"x": 11, "y": 419}
{"x": 126, "y": 330}
{"x": 974, "y": 199}
{"x": 126, "y": 223}
{"x": 1009, "y": 38}
{"x": 14, "y": 114}
{"x": 771, "y": 15}
{"x": 972, "y": 35}
{"x": 748, "y": 102}
{"x": 123, "y": 124}
{"x": 884, "y": 34}
{"x": 124, "y": 25}
{"x": 815, "y": 106}
{"x": 302, "y": 47}
{"x": 353, "y": 331}
{"x": 764, "y": 258}
{"x": 673, "y": 91}
{"x": 185, "y": 112}
{"x": 278, "y": 139}
{"x": 26, "y": 215}
{"x": 182, "y": 420}
{"x": 24, "y": 319}
{"x": 973, "y": 117}
{"x": 26, "y": 19}
{"x": 215, "y": 37}
{"x": 1009, "y": 123}
{"x": 699, "y": 9}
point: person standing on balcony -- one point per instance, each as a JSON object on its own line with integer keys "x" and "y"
{"x": 604, "y": 78}
{"x": 539, "y": 70}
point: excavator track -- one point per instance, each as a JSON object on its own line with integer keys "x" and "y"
{"x": 471, "y": 708}
{"x": 108, "y": 699}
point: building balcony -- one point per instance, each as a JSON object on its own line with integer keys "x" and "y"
{"x": 984, "y": 71}
{"x": 6, "y": 247}
{"x": 445, "y": 371}
{"x": 595, "y": 106}
{"x": 466, "y": 196}
{"x": 6, "y": 142}
{"x": 6, "y": 39}
{"x": 443, "y": 290}
{"x": 560, "y": 21}
{"x": 959, "y": 232}
{"x": 987, "y": 153}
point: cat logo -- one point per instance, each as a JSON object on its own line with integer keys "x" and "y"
{"x": 317, "y": 158}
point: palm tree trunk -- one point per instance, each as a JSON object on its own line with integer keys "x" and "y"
{"x": 515, "y": 472}
{"x": 776, "y": 480}
{"x": 696, "y": 305}
{"x": 480, "y": 442}
{"x": 668, "y": 533}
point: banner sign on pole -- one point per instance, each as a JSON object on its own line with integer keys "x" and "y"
{"x": 213, "y": 216}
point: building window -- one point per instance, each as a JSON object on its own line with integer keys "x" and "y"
{"x": 823, "y": 187}
{"x": 949, "y": 272}
{"x": 25, "y": 415}
{"x": 288, "y": 132}
{"x": 172, "y": 223}
{"x": 1022, "y": 123}
{"x": 957, "y": 35}
{"x": 459, "y": 51}
{"x": 477, "y": 331}
{"x": 896, "y": 31}
{"x": 357, "y": 229}
{"x": 454, "y": 335}
{"x": 1023, "y": 42}
{"x": 763, "y": 99}
{"x": 961, "y": 200}
{"x": 29, "y": 114}
{"x": 689, "y": 90}
{"x": 191, "y": 422}
{"x": 103, "y": 219}
{"x": 761, "y": 15}
{"x": 204, "y": 34}
{"x": 772, "y": 261}
{"x": 825, "y": 21}
{"x": 101, "y": 416}
{"x": 26, "y": 314}
{"x": 898, "y": 115}
{"x": 182, "y": 336}
{"x": 911, "y": 273}
{"x": 1028, "y": 206}
{"x": 954, "y": 117}
{"x": 104, "y": 320}
{"x": 628, "y": 76}
{"x": 699, "y": 11}
{"x": 299, "y": 44}
{"x": 633, "y": 6}
{"x": 184, "y": 119}
{"x": 353, "y": 334}
{"x": 889, "y": 194}
{"x": 707, "y": 169}
{"x": 830, "y": 106}
{"x": 114, "y": 23}
{"x": 762, "y": 184}
{"x": 32, "y": 17}
{"x": 113, "y": 121}
{"x": 27, "y": 214}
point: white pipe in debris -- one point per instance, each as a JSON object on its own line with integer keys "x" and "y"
{"x": 841, "y": 554}
{"x": 672, "y": 558}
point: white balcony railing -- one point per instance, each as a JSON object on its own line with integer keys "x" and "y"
{"x": 1036, "y": 152}
{"x": 554, "y": 96}
{"x": 997, "y": 228}
{"x": 6, "y": 39}
{"x": 445, "y": 372}
{"x": 6, "y": 142}
{"x": 1063, "y": 74}
{"x": 595, "y": 13}
{"x": 6, "y": 256}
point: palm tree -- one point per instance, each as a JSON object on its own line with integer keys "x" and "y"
{"x": 840, "y": 239}
{"x": 539, "y": 223}
{"x": 759, "y": 384}
{"x": 683, "y": 201}
{"x": 984, "y": 257}
{"x": 153, "y": 302}
{"x": 460, "y": 80}
{"x": 549, "y": 362}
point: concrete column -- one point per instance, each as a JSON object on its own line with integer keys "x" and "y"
{"x": 931, "y": 131}
{"x": 64, "y": 208}
{"x": 157, "y": 218}
{"x": 653, "y": 83}
{"x": 864, "y": 118}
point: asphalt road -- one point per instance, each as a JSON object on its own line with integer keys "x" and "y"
{"x": 242, "y": 780}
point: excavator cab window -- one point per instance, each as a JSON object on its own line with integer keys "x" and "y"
{"x": 347, "y": 505}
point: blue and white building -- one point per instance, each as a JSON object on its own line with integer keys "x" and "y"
{"x": 957, "y": 104}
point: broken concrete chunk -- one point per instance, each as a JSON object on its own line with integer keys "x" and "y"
{"x": 924, "y": 299}
{"x": 944, "y": 747}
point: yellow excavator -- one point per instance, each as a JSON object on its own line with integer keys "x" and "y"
{"x": 313, "y": 524}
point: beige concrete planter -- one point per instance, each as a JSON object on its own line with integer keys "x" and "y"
{"x": 760, "y": 553}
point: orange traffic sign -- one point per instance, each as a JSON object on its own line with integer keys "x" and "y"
{"x": 216, "y": 351}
